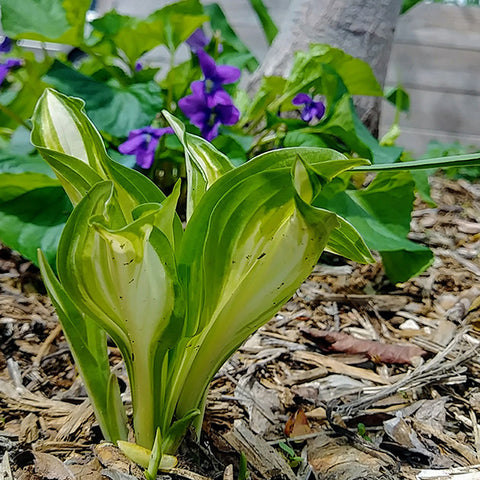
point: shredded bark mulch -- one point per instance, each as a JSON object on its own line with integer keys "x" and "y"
{"x": 354, "y": 378}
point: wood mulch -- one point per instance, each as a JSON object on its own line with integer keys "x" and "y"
{"x": 354, "y": 378}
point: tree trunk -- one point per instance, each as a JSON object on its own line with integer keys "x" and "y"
{"x": 363, "y": 28}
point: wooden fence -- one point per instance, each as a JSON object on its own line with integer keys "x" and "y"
{"x": 436, "y": 58}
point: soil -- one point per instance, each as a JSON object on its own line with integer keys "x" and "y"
{"x": 354, "y": 378}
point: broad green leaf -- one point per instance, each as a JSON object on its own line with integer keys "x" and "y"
{"x": 113, "y": 109}
{"x": 241, "y": 229}
{"x": 60, "y": 125}
{"x": 299, "y": 139}
{"x": 88, "y": 344}
{"x": 381, "y": 213}
{"x": 60, "y": 21}
{"x": 234, "y": 146}
{"x": 10, "y": 163}
{"x": 119, "y": 261}
{"x": 268, "y": 25}
{"x": 33, "y": 219}
{"x": 218, "y": 21}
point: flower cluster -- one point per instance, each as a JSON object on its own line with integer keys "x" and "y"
{"x": 210, "y": 106}
{"x": 142, "y": 143}
{"x": 311, "y": 108}
{"x": 11, "y": 63}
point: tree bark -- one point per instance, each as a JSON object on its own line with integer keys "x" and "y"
{"x": 362, "y": 28}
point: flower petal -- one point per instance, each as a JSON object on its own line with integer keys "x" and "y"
{"x": 207, "y": 64}
{"x": 301, "y": 99}
{"x": 227, "y": 114}
{"x": 133, "y": 144}
{"x": 227, "y": 74}
{"x": 197, "y": 40}
{"x": 6, "y": 45}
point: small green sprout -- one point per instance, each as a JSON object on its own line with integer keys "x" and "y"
{"x": 292, "y": 458}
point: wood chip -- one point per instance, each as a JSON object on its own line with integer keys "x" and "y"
{"x": 335, "y": 366}
{"x": 262, "y": 456}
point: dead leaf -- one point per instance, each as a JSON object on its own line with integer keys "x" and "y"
{"x": 383, "y": 352}
{"x": 51, "y": 468}
{"x": 297, "y": 425}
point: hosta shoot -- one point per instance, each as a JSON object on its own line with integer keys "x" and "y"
{"x": 177, "y": 301}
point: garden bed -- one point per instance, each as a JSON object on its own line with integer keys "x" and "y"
{"x": 389, "y": 413}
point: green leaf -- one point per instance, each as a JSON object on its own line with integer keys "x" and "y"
{"x": 399, "y": 98}
{"x": 174, "y": 23}
{"x": 34, "y": 217}
{"x": 268, "y": 25}
{"x": 467, "y": 160}
{"x": 26, "y": 93}
{"x": 299, "y": 139}
{"x": 270, "y": 89}
{"x": 308, "y": 69}
{"x": 408, "y": 4}
{"x": 241, "y": 229}
{"x": 60, "y": 21}
{"x": 218, "y": 21}
{"x": 88, "y": 344}
{"x": 168, "y": 26}
{"x": 115, "y": 110}
{"x": 179, "y": 78}
{"x": 381, "y": 213}
{"x": 10, "y": 163}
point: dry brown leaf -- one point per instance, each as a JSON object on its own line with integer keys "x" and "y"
{"x": 297, "y": 425}
{"x": 377, "y": 351}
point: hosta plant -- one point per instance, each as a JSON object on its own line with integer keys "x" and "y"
{"x": 177, "y": 301}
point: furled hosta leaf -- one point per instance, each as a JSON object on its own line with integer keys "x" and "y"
{"x": 72, "y": 146}
{"x": 88, "y": 344}
{"x": 60, "y": 125}
{"x": 233, "y": 259}
{"x": 124, "y": 276}
{"x": 204, "y": 163}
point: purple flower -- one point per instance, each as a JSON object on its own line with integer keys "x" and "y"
{"x": 5, "y": 45}
{"x": 7, "y": 66}
{"x": 142, "y": 143}
{"x": 197, "y": 40}
{"x": 311, "y": 109}
{"x": 205, "y": 115}
{"x": 215, "y": 76}
{"x": 138, "y": 66}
